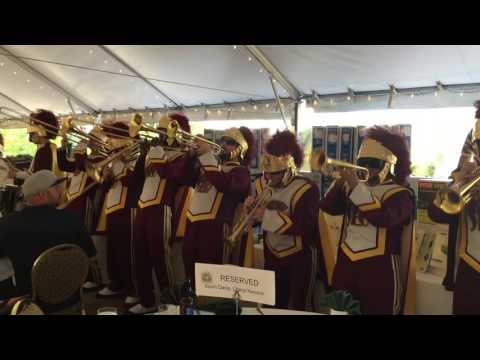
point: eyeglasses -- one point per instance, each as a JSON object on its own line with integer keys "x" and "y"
{"x": 371, "y": 163}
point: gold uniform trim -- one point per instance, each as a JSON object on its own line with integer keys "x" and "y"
{"x": 182, "y": 223}
{"x": 210, "y": 215}
{"x": 71, "y": 196}
{"x": 287, "y": 223}
{"x": 158, "y": 198}
{"x": 119, "y": 206}
{"x": 364, "y": 254}
{"x": 258, "y": 186}
{"x": 327, "y": 248}
{"x": 212, "y": 168}
{"x": 392, "y": 192}
{"x": 298, "y": 194}
{"x": 297, "y": 246}
{"x": 371, "y": 206}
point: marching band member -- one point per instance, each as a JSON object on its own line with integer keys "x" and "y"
{"x": 289, "y": 222}
{"x": 84, "y": 195}
{"x": 463, "y": 257}
{"x": 43, "y": 128}
{"x": 157, "y": 220}
{"x": 124, "y": 179}
{"x": 220, "y": 187}
{"x": 375, "y": 260}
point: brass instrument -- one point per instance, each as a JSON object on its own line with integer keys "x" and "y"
{"x": 93, "y": 139}
{"x": 261, "y": 199}
{"x": 95, "y": 170}
{"x": 453, "y": 200}
{"x": 174, "y": 132}
{"x": 136, "y": 125}
{"x": 319, "y": 162}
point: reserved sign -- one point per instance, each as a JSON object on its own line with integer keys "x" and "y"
{"x": 223, "y": 280}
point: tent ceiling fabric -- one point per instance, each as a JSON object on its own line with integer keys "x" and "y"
{"x": 213, "y": 74}
{"x": 330, "y": 69}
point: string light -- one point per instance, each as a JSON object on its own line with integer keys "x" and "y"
{"x": 120, "y": 71}
{"x": 249, "y": 58}
{"x": 349, "y": 98}
{"x": 105, "y": 61}
{"x": 331, "y": 101}
{"x": 255, "y": 107}
{"x": 243, "y": 108}
{"x": 267, "y": 106}
{"x": 41, "y": 87}
{"x": 261, "y": 70}
{"x": 234, "y": 47}
{"x": 15, "y": 73}
{"x": 369, "y": 98}
{"x": 315, "y": 102}
{"x": 412, "y": 95}
{"x": 436, "y": 93}
{"x": 90, "y": 51}
{"x": 461, "y": 94}
{"x": 2, "y": 64}
{"x": 195, "y": 110}
{"x": 28, "y": 81}
{"x": 219, "y": 112}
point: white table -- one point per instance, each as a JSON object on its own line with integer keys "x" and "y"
{"x": 173, "y": 310}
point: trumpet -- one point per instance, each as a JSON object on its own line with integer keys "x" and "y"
{"x": 319, "y": 162}
{"x": 262, "y": 198}
{"x": 453, "y": 200}
{"x": 95, "y": 170}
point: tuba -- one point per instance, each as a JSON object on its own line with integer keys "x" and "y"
{"x": 453, "y": 199}
{"x": 319, "y": 162}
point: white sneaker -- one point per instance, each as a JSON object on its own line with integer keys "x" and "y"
{"x": 139, "y": 309}
{"x": 89, "y": 285}
{"x": 107, "y": 292}
{"x": 130, "y": 300}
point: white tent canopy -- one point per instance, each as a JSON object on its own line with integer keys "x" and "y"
{"x": 99, "y": 78}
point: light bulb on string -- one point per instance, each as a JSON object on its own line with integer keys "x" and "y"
{"x": 28, "y": 81}
{"x": 349, "y": 98}
{"x": 243, "y": 108}
{"x": 234, "y": 47}
{"x": 15, "y": 73}
{"x": 2, "y": 64}
{"x": 261, "y": 70}
{"x": 249, "y": 58}
{"x": 412, "y": 95}
{"x": 315, "y": 102}
{"x": 436, "y": 93}
{"x": 120, "y": 71}
{"x": 267, "y": 106}
{"x": 255, "y": 107}
{"x": 90, "y": 51}
{"x": 219, "y": 112}
{"x": 195, "y": 110}
{"x": 105, "y": 61}
{"x": 369, "y": 98}
{"x": 461, "y": 94}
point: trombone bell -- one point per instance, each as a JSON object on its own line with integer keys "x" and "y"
{"x": 319, "y": 162}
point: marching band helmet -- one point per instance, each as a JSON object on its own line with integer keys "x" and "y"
{"x": 180, "y": 118}
{"x": 283, "y": 153}
{"x": 245, "y": 142}
{"x": 384, "y": 148}
{"x": 43, "y": 123}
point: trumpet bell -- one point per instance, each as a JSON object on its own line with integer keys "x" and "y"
{"x": 449, "y": 201}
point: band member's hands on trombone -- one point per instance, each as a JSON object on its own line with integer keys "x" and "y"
{"x": 348, "y": 176}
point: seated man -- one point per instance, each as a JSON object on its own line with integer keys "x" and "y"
{"x": 40, "y": 226}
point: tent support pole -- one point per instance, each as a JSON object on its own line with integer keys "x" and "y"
{"x": 273, "y": 71}
{"x": 133, "y": 70}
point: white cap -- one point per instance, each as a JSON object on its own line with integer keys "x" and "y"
{"x": 40, "y": 181}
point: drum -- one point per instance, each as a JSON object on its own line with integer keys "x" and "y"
{"x": 9, "y": 197}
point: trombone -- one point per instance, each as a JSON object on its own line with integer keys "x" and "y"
{"x": 319, "y": 162}
{"x": 453, "y": 199}
{"x": 95, "y": 170}
{"x": 184, "y": 138}
{"x": 261, "y": 199}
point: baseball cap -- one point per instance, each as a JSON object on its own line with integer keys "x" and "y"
{"x": 40, "y": 181}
